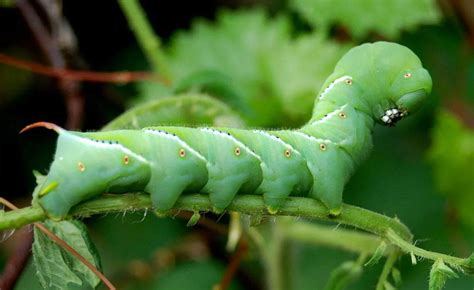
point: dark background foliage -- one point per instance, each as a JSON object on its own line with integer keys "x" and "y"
{"x": 420, "y": 171}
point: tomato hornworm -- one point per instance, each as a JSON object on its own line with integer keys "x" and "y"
{"x": 373, "y": 83}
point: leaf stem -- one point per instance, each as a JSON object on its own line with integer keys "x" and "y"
{"x": 147, "y": 39}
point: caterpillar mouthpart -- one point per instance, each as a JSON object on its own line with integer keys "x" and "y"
{"x": 392, "y": 116}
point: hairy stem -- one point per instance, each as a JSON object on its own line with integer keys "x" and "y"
{"x": 247, "y": 204}
{"x": 389, "y": 228}
{"x": 344, "y": 239}
{"x": 465, "y": 264}
{"x": 147, "y": 39}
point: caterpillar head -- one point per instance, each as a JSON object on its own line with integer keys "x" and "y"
{"x": 392, "y": 77}
{"x": 83, "y": 168}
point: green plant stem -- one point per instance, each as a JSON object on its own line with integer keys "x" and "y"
{"x": 410, "y": 248}
{"x": 387, "y": 268}
{"x": 344, "y": 239}
{"x": 273, "y": 259}
{"x": 363, "y": 219}
{"x": 147, "y": 39}
{"x": 247, "y": 204}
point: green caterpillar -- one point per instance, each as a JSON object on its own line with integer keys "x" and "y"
{"x": 373, "y": 83}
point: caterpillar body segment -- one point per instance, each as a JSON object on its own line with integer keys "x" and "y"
{"x": 347, "y": 127}
{"x": 283, "y": 168}
{"x": 373, "y": 83}
{"x": 329, "y": 164}
{"x": 232, "y": 167}
{"x": 175, "y": 168}
{"x": 85, "y": 167}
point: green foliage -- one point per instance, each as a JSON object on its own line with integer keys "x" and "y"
{"x": 58, "y": 269}
{"x": 189, "y": 276}
{"x": 451, "y": 154}
{"x": 439, "y": 274}
{"x": 7, "y": 3}
{"x": 259, "y": 69}
{"x": 359, "y": 17}
{"x": 214, "y": 83}
{"x": 297, "y": 69}
{"x": 252, "y": 57}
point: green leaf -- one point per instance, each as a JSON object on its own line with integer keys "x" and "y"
{"x": 216, "y": 84}
{"x": 452, "y": 154}
{"x": 192, "y": 109}
{"x": 378, "y": 254}
{"x": 359, "y": 17}
{"x": 343, "y": 275}
{"x": 191, "y": 275}
{"x": 439, "y": 273}
{"x": 272, "y": 77}
{"x": 236, "y": 45}
{"x": 58, "y": 269}
{"x": 297, "y": 70}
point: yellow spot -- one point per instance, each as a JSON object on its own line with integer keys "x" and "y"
{"x": 81, "y": 166}
{"x": 342, "y": 115}
{"x": 48, "y": 188}
{"x": 237, "y": 151}
{"x": 126, "y": 159}
{"x": 182, "y": 153}
{"x": 349, "y": 82}
{"x": 272, "y": 210}
{"x": 335, "y": 212}
{"x": 323, "y": 147}
{"x": 407, "y": 75}
{"x": 287, "y": 153}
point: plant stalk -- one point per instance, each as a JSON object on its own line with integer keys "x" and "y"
{"x": 149, "y": 42}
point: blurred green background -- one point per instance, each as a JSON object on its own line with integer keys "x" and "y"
{"x": 265, "y": 60}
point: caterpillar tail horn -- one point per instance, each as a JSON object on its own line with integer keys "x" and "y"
{"x": 46, "y": 125}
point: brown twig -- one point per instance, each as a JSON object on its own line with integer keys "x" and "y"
{"x": 17, "y": 261}
{"x": 233, "y": 265}
{"x": 51, "y": 49}
{"x": 80, "y": 75}
{"x": 65, "y": 246}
